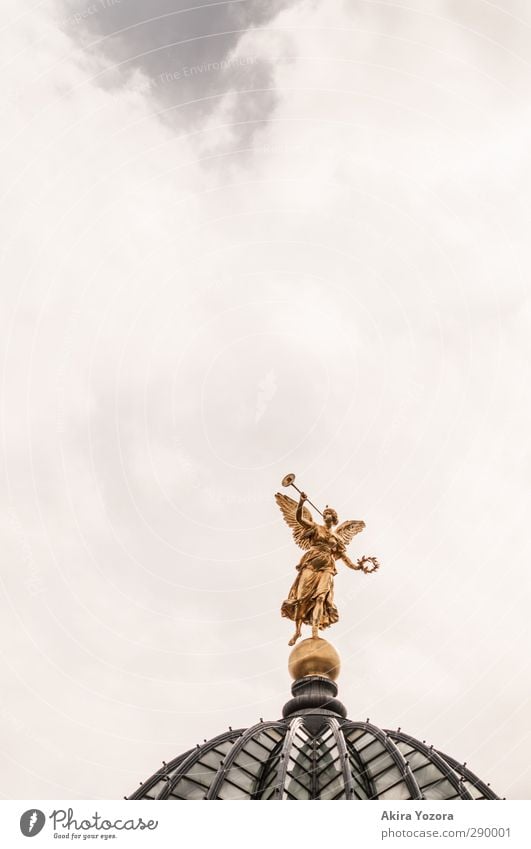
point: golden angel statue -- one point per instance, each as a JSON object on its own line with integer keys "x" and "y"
{"x": 311, "y": 597}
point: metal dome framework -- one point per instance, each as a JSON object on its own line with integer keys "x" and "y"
{"x": 313, "y": 754}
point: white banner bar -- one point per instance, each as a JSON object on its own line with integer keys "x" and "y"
{"x": 271, "y": 826}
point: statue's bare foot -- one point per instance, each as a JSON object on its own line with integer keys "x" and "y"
{"x": 294, "y": 639}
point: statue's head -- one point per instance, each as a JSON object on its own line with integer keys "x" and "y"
{"x": 329, "y": 516}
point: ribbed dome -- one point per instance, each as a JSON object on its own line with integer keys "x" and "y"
{"x": 314, "y": 752}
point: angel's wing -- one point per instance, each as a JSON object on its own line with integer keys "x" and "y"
{"x": 347, "y": 530}
{"x": 288, "y": 507}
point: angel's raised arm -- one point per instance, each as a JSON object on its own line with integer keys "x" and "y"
{"x": 304, "y": 517}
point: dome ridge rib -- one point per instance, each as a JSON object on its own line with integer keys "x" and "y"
{"x": 293, "y": 727}
{"x": 194, "y": 756}
{"x": 393, "y": 750}
{"x": 343, "y": 754}
{"x": 480, "y": 785}
{"x": 231, "y": 755}
{"x": 436, "y": 759}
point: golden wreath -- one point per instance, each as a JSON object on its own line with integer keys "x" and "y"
{"x": 368, "y": 570}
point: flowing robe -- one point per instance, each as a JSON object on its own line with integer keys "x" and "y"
{"x": 315, "y": 578}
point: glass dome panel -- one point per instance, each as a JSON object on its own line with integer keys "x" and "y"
{"x": 315, "y": 755}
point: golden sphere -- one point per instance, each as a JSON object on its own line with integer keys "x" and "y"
{"x": 314, "y": 656}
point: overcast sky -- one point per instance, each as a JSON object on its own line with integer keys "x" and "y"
{"x": 242, "y": 241}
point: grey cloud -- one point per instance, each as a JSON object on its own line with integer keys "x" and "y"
{"x": 183, "y": 48}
